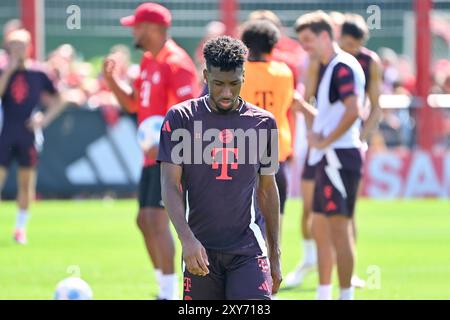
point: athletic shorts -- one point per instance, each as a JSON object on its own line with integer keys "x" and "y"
{"x": 150, "y": 187}
{"x": 282, "y": 185}
{"x": 309, "y": 172}
{"x": 335, "y": 190}
{"x": 19, "y": 145}
{"x": 231, "y": 277}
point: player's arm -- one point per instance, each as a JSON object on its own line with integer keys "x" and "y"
{"x": 194, "y": 254}
{"x": 302, "y": 103}
{"x": 7, "y": 73}
{"x": 53, "y": 103}
{"x": 125, "y": 95}
{"x": 269, "y": 204}
{"x": 312, "y": 79}
{"x": 373, "y": 92}
{"x": 54, "y": 106}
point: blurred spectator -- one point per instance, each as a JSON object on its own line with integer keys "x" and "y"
{"x": 389, "y": 60}
{"x": 213, "y": 29}
{"x": 337, "y": 18}
{"x": 68, "y": 74}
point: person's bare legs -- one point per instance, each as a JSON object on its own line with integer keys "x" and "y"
{"x": 26, "y": 188}
{"x": 321, "y": 232}
{"x": 154, "y": 225}
{"x": 357, "y": 282}
{"x": 309, "y": 261}
{"x": 342, "y": 237}
{"x": 3, "y": 173}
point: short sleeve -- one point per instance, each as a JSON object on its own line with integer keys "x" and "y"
{"x": 47, "y": 84}
{"x": 170, "y": 138}
{"x": 344, "y": 81}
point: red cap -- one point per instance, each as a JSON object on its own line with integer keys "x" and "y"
{"x": 149, "y": 12}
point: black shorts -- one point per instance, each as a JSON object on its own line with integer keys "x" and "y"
{"x": 335, "y": 190}
{"x": 150, "y": 187}
{"x": 309, "y": 172}
{"x": 282, "y": 185}
{"x": 17, "y": 145}
{"x": 231, "y": 277}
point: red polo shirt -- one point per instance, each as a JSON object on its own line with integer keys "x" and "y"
{"x": 166, "y": 79}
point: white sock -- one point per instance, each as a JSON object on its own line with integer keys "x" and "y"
{"x": 158, "y": 274}
{"x": 324, "y": 292}
{"x": 22, "y": 218}
{"x": 310, "y": 252}
{"x": 169, "y": 287}
{"x": 347, "y": 294}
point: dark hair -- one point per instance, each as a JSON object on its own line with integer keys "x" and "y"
{"x": 225, "y": 53}
{"x": 260, "y": 36}
{"x": 355, "y": 26}
{"x": 316, "y": 21}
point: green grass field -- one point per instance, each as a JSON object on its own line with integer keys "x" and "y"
{"x": 407, "y": 242}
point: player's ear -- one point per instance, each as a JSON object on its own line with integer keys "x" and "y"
{"x": 205, "y": 76}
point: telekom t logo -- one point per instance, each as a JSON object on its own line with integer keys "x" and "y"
{"x": 187, "y": 284}
{"x": 225, "y": 136}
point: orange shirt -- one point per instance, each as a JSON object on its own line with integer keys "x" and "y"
{"x": 269, "y": 85}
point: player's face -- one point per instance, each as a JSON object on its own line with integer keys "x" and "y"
{"x": 224, "y": 87}
{"x": 309, "y": 41}
{"x": 139, "y": 35}
{"x": 350, "y": 44}
{"x": 147, "y": 35}
{"x": 17, "y": 49}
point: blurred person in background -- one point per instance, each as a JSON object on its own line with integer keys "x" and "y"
{"x": 269, "y": 85}
{"x": 309, "y": 79}
{"x": 23, "y": 88}
{"x": 335, "y": 150}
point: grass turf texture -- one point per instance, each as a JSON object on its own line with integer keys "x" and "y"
{"x": 406, "y": 241}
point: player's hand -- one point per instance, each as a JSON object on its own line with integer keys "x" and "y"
{"x": 297, "y": 102}
{"x": 109, "y": 67}
{"x": 275, "y": 269}
{"x": 195, "y": 257}
{"x": 316, "y": 140}
{"x": 36, "y": 122}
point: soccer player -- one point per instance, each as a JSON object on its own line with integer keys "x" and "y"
{"x": 22, "y": 89}
{"x": 310, "y": 79}
{"x": 167, "y": 76}
{"x": 353, "y": 35}
{"x": 335, "y": 148}
{"x": 269, "y": 85}
{"x": 228, "y": 189}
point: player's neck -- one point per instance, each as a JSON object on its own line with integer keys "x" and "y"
{"x": 329, "y": 53}
{"x": 258, "y": 57}
{"x": 154, "y": 50}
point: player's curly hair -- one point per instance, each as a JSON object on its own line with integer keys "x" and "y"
{"x": 225, "y": 53}
{"x": 260, "y": 36}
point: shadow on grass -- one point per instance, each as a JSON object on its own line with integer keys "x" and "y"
{"x": 296, "y": 289}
